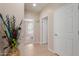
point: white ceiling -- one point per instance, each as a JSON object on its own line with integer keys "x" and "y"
{"x": 40, "y": 6}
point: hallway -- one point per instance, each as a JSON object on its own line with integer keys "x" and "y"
{"x": 36, "y": 50}
{"x": 33, "y": 25}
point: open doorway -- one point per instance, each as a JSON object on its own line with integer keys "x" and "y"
{"x": 29, "y": 30}
{"x": 44, "y": 30}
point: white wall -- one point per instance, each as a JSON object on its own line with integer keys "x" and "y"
{"x": 16, "y": 9}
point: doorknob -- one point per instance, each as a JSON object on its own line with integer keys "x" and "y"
{"x": 55, "y": 34}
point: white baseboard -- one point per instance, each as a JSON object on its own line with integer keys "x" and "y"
{"x": 53, "y": 52}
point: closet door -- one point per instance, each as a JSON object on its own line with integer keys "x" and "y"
{"x": 63, "y": 30}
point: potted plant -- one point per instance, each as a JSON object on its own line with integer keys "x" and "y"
{"x": 12, "y": 32}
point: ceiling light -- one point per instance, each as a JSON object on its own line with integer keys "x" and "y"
{"x": 34, "y": 5}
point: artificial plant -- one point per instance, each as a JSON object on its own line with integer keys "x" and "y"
{"x": 8, "y": 25}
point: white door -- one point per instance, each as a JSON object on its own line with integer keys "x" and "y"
{"x": 76, "y": 30}
{"x": 63, "y": 30}
{"x": 45, "y": 30}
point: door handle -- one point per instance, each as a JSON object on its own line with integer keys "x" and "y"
{"x": 55, "y": 34}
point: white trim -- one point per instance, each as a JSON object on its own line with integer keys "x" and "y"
{"x": 41, "y": 29}
{"x": 54, "y": 52}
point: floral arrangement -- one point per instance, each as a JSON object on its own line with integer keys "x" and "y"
{"x": 12, "y": 32}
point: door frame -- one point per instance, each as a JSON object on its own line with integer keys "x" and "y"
{"x": 41, "y": 30}
{"x": 26, "y": 21}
